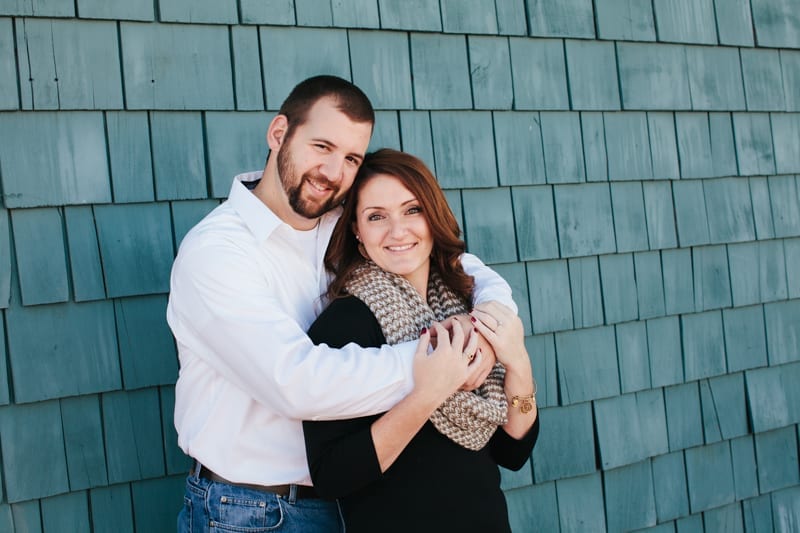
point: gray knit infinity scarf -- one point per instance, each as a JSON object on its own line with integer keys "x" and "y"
{"x": 467, "y": 418}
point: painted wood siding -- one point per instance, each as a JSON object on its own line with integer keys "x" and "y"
{"x": 631, "y": 167}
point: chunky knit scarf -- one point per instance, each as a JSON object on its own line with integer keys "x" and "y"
{"x": 467, "y": 418}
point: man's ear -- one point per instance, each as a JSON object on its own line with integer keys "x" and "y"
{"x": 276, "y": 133}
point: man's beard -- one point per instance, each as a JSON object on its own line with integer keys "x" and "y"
{"x": 293, "y": 187}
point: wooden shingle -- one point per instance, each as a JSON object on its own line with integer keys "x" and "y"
{"x": 570, "y": 18}
{"x": 649, "y": 284}
{"x": 587, "y": 303}
{"x": 734, "y": 23}
{"x": 129, "y": 152}
{"x": 358, "y": 14}
{"x": 67, "y": 166}
{"x": 783, "y": 195}
{"x": 703, "y": 346}
{"x": 580, "y": 503}
{"x": 198, "y": 11}
{"x": 723, "y": 148}
{"x": 594, "y": 146}
{"x": 83, "y": 441}
{"x": 758, "y": 272}
{"x": 790, "y": 68}
{"x": 490, "y": 73}
{"x": 313, "y": 12}
{"x": 520, "y": 157}
{"x": 161, "y": 60}
{"x": 5, "y": 259}
{"x": 725, "y": 518}
{"x": 762, "y": 210}
{"x": 754, "y": 150}
{"x": 533, "y": 505}
{"x": 663, "y": 146}
{"x": 786, "y": 130}
{"x": 653, "y": 76}
{"x": 511, "y": 18}
{"x": 660, "y": 214}
{"x": 776, "y": 455}
{"x": 783, "y": 331}
{"x": 155, "y": 501}
{"x": 474, "y": 17}
{"x": 669, "y": 485}
{"x": 69, "y": 64}
{"x": 676, "y": 265}
{"x": 772, "y": 401}
{"x": 620, "y": 302}
{"x": 561, "y": 142}
{"x": 417, "y": 15}
{"x": 745, "y": 468}
{"x": 634, "y": 363}
{"x": 690, "y": 213}
{"x": 133, "y": 439}
{"x": 628, "y": 146}
{"x": 136, "y": 251}
{"x": 112, "y": 511}
{"x": 715, "y": 78}
{"x": 416, "y": 135}
{"x": 625, "y": 20}
{"x": 542, "y": 353}
{"x": 179, "y": 162}
{"x": 146, "y": 347}
{"x": 684, "y": 422}
{"x": 592, "y": 68}
{"x": 247, "y": 74}
{"x": 712, "y": 283}
{"x": 758, "y": 514}
{"x": 279, "y": 12}
{"x": 745, "y": 337}
{"x": 709, "y": 475}
{"x": 630, "y": 229}
{"x": 186, "y": 214}
{"x": 463, "y": 149}
{"x": 685, "y": 21}
{"x": 75, "y": 354}
{"x": 583, "y": 219}
{"x": 102, "y": 9}
{"x": 730, "y": 212}
{"x": 664, "y": 348}
{"x": 41, "y": 255}
{"x": 487, "y": 215}
{"x": 761, "y": 72}
{"x": 694, "y": 145}
{"x": 785, "y": 509}
{"x": 775, "y": 23}
{"x": 629, "y": 497}
{"x": 236, "y": 144}
{"x": 34, "y": 462}
{"x": 84, "y": 254}
{"x": 440, "y": 70}
{"x": 587, "y": 364}
{"x": 66, "y": 512}
{"x": 9, "y": 92}
{"x": 40, "y": 8}
{"x": 791, "y": 251}
{"x": 539, "y": 73}
{"x": 382, "y": 68}
{"x": 567, "y": 448}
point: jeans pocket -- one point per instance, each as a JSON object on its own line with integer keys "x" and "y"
{"x": 241, "y": 510}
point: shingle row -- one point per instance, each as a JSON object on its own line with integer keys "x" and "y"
{"x": 94, "y": 64}
{"x": 727, "y": 22}
{"x": 86, "y": 157}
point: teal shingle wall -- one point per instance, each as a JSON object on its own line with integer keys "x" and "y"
{"x": 632, "y": 168}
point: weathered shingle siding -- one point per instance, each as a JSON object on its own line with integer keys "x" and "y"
{"x": 631, "y": 167}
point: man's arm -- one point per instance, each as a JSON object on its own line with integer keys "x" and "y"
{"x": 225, "y": 314}
{"x": 488, "y": 283}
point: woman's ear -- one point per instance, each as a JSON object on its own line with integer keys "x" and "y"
{"x": 276, "y": 133}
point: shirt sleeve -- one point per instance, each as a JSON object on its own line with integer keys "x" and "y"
{"x": 489, "y": 285}
{"x": 224, "y": 315}
{"x": 511, "y": 453}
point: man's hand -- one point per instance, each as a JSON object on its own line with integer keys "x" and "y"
{"x": 485, "y": 357}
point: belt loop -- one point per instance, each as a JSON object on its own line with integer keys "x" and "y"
{"x": 292, "y": 494}
{"x": 196, "y": 467}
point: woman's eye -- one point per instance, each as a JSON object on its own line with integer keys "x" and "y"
{"x": 414, "y": 210}
{"x": 373, "y": 217}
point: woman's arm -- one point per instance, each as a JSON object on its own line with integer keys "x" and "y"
{"x": 346, "y": 455}
{"x": 503, "y": 329}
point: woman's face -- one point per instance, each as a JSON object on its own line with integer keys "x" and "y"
{"x": 393, "y": 229}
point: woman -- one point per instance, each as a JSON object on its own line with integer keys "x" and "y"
{"x": 395, "y": 259}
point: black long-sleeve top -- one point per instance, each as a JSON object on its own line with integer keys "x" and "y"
{"x": 434, "y": 485}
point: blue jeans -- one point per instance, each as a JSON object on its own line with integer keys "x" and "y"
{"x": 211, "y": 506}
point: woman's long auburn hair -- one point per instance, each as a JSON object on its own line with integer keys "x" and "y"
{"x": 343, "y": 255}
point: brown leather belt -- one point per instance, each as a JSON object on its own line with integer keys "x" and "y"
{"x": 303, "y": 491}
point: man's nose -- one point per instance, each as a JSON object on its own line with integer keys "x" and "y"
{"x": 332, "y": 168}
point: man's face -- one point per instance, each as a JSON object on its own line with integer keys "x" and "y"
{"x": 318, "y": 163}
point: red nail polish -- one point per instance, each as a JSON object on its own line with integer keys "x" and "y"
{"x": 473, "y": 319}
{"x": 424, "y": 331}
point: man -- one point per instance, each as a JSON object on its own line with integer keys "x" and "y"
{"x": 245, "y": 286}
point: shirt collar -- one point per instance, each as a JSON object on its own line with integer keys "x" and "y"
{"x": 259, "y": 218}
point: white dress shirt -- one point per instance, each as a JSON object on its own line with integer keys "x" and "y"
{"x": 243, "y": 292}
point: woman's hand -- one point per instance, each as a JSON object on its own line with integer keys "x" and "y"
{"x": 504, "y": 331}
{"x": 485, "y": 358}
{"x": 440, "y": 373}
